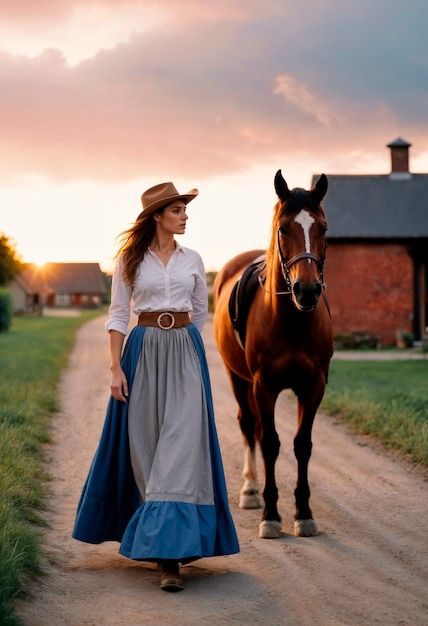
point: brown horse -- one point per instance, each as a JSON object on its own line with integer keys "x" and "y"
{"x": 285, "y": 342}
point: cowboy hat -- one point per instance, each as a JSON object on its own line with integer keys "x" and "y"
{"x": 163, "y": 194}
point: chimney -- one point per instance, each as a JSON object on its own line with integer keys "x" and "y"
{"x": 399, "y": 159}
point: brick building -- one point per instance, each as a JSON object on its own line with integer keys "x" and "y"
{"x": 377, "y": 258}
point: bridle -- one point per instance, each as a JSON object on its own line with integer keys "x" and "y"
{"x": 286, "y": 265}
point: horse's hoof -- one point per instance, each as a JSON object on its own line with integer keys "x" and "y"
{"x": 270, "y": 529}
{"x": 249, "y": 500}
{"x": 305, "y": 528}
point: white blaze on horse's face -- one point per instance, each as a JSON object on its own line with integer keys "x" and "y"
{"x": 305, "y": 219}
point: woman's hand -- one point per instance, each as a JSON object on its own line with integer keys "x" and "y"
{"x": 119, "y": 385}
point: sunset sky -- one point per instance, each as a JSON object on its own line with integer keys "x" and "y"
{"x": 101, "y": 99}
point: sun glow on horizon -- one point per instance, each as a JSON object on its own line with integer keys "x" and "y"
{"x": 39, "y": 264}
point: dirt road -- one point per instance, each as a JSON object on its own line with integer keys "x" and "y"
{"x": 368, "y": 566}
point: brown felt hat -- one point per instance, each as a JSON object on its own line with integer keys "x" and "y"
{"x": 163, "y": 194}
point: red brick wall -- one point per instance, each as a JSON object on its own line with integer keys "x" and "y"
{"x": 370, "y": 287}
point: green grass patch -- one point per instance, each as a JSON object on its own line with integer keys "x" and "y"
{"x": 386, "y": 399}
{"x": 33, "y": 354}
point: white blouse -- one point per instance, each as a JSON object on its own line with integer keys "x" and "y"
{"x": 180, "y": 286}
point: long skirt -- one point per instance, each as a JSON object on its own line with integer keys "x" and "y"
{"x": 156, "y": 483}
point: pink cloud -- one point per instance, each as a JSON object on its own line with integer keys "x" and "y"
{"x": 301, "y": 96}
{"x": 34, "y": 13}
{"x": 198, "y": 101}
{"x": 27, "y": 12}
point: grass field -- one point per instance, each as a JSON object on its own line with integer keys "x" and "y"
{"x": 386, "y": 399}
{"x": 33, "y": 354}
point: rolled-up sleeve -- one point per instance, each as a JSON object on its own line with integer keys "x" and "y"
{"x": 200, "y": 296}
{"x": 120, "y": 307}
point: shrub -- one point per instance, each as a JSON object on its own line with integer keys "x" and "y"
{"x": 6, "y": 310}
{"x": 356, "y": 339}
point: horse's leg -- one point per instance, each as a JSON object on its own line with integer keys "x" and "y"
{"x": 270, "y": 526}
{"x": 304, "y": 524}
{"x": 249, "y": 494}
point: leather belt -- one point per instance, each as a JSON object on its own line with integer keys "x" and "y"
{"x": 164, "y": 319}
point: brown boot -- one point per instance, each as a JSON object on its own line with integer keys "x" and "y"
{"x": 170, "y": 577}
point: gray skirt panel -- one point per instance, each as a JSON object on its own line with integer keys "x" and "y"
{"x": 168, "y": 421}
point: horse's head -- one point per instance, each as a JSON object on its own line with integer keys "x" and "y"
{"x": 299, "y": 238}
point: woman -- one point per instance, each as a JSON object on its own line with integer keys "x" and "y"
{"x": 156, "y": 483}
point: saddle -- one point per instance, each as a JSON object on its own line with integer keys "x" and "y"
{"x": 242, "y": 296}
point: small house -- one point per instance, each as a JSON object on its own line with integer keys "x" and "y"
{"x": 78, "y": 285}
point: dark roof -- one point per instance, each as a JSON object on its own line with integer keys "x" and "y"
{"x": 371, "y": 206}
{"x": 29, "y": 280}
{"x": 399, "y": 143}
{"x": 74, "y": 278}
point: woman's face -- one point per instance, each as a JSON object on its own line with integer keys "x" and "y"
{"x": 173, "y": 218}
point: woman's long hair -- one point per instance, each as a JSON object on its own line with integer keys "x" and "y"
{"x": 134, "y": 243}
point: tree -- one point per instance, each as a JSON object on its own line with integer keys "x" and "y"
{"x": 10, "y": 264}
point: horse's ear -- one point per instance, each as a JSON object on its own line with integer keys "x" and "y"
{"x": 320, "y": 188}
{"x": 281, "y": 187}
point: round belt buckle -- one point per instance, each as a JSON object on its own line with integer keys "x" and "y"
{"x": 160, "y": 319}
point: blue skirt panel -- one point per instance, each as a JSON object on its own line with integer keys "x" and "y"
{"x": 187, "y": 532}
